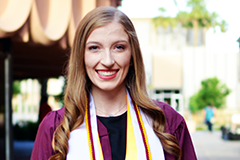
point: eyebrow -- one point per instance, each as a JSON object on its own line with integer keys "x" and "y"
{"x": 113, "y": 42}
{"x": 92, "y": 42}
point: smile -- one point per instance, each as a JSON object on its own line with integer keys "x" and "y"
{"x": 107, "y": 74}
{"x": 103, "y": 73}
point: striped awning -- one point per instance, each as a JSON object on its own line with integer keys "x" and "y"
{"x": 45, "y": 21}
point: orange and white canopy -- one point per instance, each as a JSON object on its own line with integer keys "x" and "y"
{"x": 45, "y": 21}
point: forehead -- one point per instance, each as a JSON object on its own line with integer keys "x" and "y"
{"x": 113, "y": 30}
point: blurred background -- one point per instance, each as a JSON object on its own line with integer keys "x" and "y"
{"x": 190, "y": 50}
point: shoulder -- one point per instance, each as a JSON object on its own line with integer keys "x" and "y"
{"x": 173, "y": 118}
{"x": 50, "y": 123}
{"x": 42, "y": 148}
{"x": 176, "y": 126}
{"x": 52, "y": 119}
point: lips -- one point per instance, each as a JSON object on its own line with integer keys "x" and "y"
{"x": 103, "y": 73}
{"x": 107, "y": 74}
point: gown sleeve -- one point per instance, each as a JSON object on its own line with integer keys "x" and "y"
{"x": 176, "y": 126}
{"x": 185, "y": 142}
{"x": 42, "y": 148}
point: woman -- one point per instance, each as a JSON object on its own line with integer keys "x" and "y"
{"x": 108, "y": 114}
{"x": 209, "y": 116}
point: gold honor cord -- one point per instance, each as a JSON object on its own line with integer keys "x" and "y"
{"x": 131, "y": 148}
{"x": 100, "y": 149}
{"x": 144, "y": 134}
{"x": 89, "y": 134}
{"x": 90, "y": 139}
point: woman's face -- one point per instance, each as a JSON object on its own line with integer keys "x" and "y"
{"x": 107, "y": 57}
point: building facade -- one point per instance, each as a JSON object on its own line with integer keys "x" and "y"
{"x": 175, "y": 68}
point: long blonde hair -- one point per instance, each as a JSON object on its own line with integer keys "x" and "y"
{"x": 78, "y": 83}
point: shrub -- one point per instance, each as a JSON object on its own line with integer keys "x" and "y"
{"x": 212, "y": 92}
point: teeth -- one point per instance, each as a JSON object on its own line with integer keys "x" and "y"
{"x": 102, "y": 73}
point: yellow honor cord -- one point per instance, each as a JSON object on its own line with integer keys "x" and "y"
{"x": 144, "y": 133}
{"x": 100, "y": 149}
{"x": 131, "y": 148}
{"x": 89, "y": 138}
{"x": 88, "y": 133}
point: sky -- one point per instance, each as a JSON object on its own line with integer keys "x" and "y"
{"x": 226, "y": 9}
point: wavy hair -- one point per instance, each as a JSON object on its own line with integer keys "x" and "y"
{"x": 77, "y": 88}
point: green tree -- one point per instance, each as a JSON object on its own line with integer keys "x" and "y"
{"x": 16, "y": 87}
{"x": 197, "y": 17}
{"x": 212, "y": 92}
{"x": 163, "y": 20}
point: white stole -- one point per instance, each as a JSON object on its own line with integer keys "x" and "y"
{"x": 78, "y": 141}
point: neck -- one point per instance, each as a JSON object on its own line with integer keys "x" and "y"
{"x": 110, "y": 102}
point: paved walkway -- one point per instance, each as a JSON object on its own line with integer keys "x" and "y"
{"x": 213, "y": 147}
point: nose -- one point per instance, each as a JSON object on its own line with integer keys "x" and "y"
{"x": 107, "y": 59}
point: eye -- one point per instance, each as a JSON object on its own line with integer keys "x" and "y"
{"x": 120, "y": 47}
{"x": 93, "y": 47}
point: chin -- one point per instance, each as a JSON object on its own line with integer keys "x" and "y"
{"x": 109, "y": 87}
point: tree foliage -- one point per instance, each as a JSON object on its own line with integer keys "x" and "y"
{"x": 163, "y": 20}
{"x": 212, "y": 92}
{"x": 198, "y": 16}
{"x": 16, "y": 87}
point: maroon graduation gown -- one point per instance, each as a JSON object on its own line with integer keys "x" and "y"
{"x": 176, "y": 126}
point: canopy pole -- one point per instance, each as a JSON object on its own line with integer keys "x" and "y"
{"x": 8, "y": 99}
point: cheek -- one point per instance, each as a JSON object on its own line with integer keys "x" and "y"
{"x": 126, "y": 61}
{"x": 89, "y": 61}
{"x": 126, "y": 64}
{"x": 88, "y": 65}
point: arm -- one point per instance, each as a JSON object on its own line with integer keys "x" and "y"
{"x": 176, "y": 126}
{"x": 214, "y": 111}
{"x": 204, "y": 113}
{"x": 42, "y": 148}
{"x": 185, "y": 142}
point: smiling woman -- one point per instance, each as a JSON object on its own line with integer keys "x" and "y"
{"x": 107, "y": 59}
{"x": 108, "y": 114}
